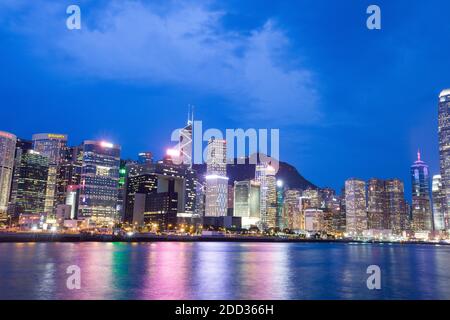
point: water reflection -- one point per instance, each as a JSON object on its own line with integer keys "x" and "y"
{"x": 170, "y": 270}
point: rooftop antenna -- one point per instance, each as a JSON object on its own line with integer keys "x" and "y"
{"x": 190, "y": 119}
{"x": 418, "y": 155}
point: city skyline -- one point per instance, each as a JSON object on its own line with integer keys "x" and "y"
{"x": 344, "y": 86}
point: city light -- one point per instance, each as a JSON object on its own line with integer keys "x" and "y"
{"x": 173, "y": 152}
{"x": 105, "y": 144}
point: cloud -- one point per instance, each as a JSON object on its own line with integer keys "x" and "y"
{"x": 179, "y": 44}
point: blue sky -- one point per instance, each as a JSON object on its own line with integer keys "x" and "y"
{"x": 349, "y": 102}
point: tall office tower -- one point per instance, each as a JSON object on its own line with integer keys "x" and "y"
{"x": 140, "y": 180}
{"x": 270, "y": 220}
{"x": 377, "y": 213}
{"x": 230, "y": 201}
{"x": 32, "y": 176}
{"x": 247, "y": 202}
{"x": 438, "y": 204}
{"x": 122, "y": 189}
{"x": 396, "y": 205}
{"x": 281, "y": 221}
{"x": 190, "y": 180}
{"x": 186, "y": 142}
{"x": 22, "y": 147}
{"x": 261, "y": 177}
{"x": 145, "y": 158}
{"x": 7, "y": 151}
{"x": 444, "y": 149}
{"x": 216, "y": 179}
{"x": 200, "y": 194}
{"x": 69, "y": 172}
{"x": 355, "y": 206}
{"x": 292, "y": 209}
{"x": 341, "y": 217}
{"x": 51, "y": 146}
{"x": 421, "y": 204}
{"x": 99, "y": 182}
{"x": 265, "y": 175}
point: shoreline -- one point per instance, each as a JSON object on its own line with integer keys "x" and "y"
{"x": 138, "y": 238}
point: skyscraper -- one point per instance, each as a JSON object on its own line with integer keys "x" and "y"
{"x": 377, "y": 211}
{"x": 444, "y": 149}
{"x": 438, "y": 204}
{"x": 355, "y": 206}
{"x": 265, "y": 175}
{"x": 246, "y": 202}
{"x": 216, "y": 179}
{"x": 292, "y": 210}
{"x": 22, "y": 147}
{"x": 396, "y": 205}
{"x": 32, "y": 177}
{"x": 7, "y": 151}
{"x": 51, "y": 146}
{"x": 99, "y": 182}
{"x": 270, "y": 220}
{"x": 421, "y": 204}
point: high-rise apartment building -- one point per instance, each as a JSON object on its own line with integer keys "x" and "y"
{"x": 292, "y": 209}
{"x": 377, "y": 213}
{"x": 7, "y": 151}
{"x": 355, "y": 206}
{"x": 396, "y": 205}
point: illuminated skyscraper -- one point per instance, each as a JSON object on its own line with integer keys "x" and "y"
{"x": 292, "y": 210}
{"x": 438, "y": 203}
{"x": 7, "y": 151}
{"x": 281, "y": 221}
{"x": 377, "y": 212}
{"x": 246, "y": 202}
{"x": 421, "y": 203}
{"x": 355, "y": 206}
{"x": 51, "y": 146}
{"x": 216, "y": 179}
{"x": 444, "y": 150}
{"x": 32, "y": 176}
{"x": 261, "y": 177}
{"x": 270, "y": 220}
{"x": 99, "y": 181}
{"x": 396, "y": 205}
{"x": 69, "y": 173}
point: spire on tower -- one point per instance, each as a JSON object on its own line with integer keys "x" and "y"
{"x": 190, "y": 119}
{"x": 418, "y": 155}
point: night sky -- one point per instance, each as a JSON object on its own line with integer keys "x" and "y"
{"x": 349, "y": 102}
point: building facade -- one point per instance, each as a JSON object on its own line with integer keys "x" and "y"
{"x": 438, "y": 197}
{"x": 32, "y": 177}
{"x": 216, "y": 179}
{"x": 421, "y": 202}
{"x": 7, "y": 152}
{"x": 444, "y": 149}
{"x": 51, "y": 145}
{"x": 355, "y": 206}
{"x": 99, "y": 182}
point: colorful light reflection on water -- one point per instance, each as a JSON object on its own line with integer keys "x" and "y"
{"x": 222, "y": 270}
